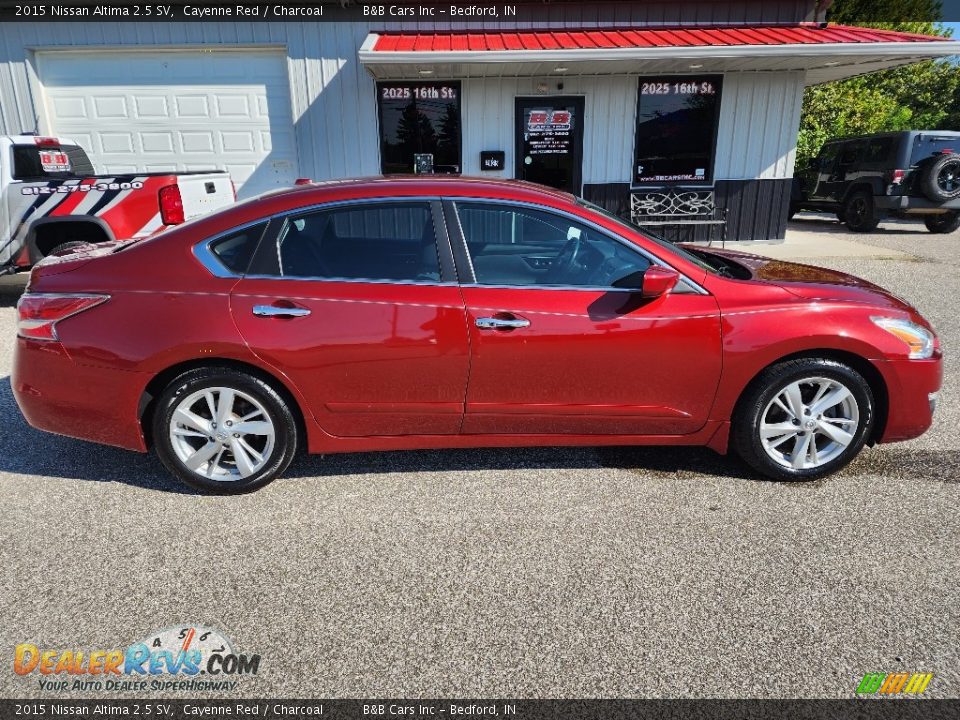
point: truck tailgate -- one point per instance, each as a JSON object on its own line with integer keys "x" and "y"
{"x": 204, "y": 192}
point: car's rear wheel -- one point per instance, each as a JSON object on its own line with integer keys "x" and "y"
{"x": 859, "y": 213}
{"x": 222, "y": 430}
{"x": 803, "y": 419}
{"x": 945, "y": 223}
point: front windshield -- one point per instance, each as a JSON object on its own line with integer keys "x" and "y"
{"x": 689, "y": 256}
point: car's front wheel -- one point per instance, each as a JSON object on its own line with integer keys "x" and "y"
{"x": 222, "y": 430}
{"x": 803, "y": 419}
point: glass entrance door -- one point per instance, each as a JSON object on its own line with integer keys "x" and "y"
{"x": 549, "y": 134}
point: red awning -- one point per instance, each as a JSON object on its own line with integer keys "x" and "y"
{"x": 536, "y": 40}
{"x": 824, "y": 53}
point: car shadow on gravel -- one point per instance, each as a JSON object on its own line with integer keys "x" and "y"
{"x": 30, "y": 452}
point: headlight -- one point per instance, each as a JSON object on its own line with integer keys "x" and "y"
{"x": 918, "y": 338}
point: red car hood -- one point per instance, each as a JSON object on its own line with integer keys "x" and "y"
{"x": 815, "y": 283}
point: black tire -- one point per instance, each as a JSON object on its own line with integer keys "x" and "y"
{"x": 858, "y": 212}
{"x": 274, "y": 406}
{"x": 69, "y": 245}
{"x": 791, "y": 213}
{"x": 940, "y": 180}
{"x": 941, "y": 224}
{"x": 749, "y": 414}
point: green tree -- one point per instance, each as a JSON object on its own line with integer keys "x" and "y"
{"x": 920, "y": 96}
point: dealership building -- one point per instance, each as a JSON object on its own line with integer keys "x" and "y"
{"x": 674, "y": 109}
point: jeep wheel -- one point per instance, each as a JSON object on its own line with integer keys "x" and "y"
{"x": 940, "y": 180}
{"x": 858, "y": 212}
{"x": 942, "y": 224}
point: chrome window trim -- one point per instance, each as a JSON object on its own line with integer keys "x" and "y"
{"x": 361, "y": 281}
{"x": 654, "y": 259}
{"x": 212, "y": 263}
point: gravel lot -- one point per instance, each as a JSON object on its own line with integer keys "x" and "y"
{"x": 518, "y": 573}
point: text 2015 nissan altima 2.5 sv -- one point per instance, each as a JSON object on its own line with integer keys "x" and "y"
{"x": 403, "y": 313}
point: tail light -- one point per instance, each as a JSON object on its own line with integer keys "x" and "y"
{"x": 171, "y": 205}
{"x": 39, "y": 313}
{"x": 302, "y": 181}
{"x": 46, "y": 141}
{"x": 896, "y": 177}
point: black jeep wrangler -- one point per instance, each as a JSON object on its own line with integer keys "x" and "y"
{"x": 915, "y": 173}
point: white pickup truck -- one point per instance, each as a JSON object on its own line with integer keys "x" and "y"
{"x": 51, "y": 200}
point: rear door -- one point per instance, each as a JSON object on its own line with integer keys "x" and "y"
{"x": 358, "y": 305}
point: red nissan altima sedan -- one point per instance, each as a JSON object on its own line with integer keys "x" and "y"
{"x": 402, "y": 313}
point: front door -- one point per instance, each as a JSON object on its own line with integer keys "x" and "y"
{"x": 355, "y": 304}
{"x": 556, "y": 349}
{"x": 550, "y": 141}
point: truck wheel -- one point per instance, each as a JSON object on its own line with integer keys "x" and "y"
{"x": 942, "y": 224}
{"x": 858, "y": 212}
{"x": 940, "y": 180}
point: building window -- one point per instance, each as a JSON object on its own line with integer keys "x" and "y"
{"x": 419, "y": 127}
{"x": 676, "y": 129}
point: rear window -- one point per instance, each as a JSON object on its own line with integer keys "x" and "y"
{"x": 32, "y": 162}
{"x": 926, "y": 145}
{"x": 236, "y": 250}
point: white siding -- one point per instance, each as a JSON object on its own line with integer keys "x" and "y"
{"x": 336, "y": 130}
{"x": 759, "y": 117}
{"x": 334, "y": 105}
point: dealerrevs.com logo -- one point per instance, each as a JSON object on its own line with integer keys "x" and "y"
{"x": 188, "y": 657}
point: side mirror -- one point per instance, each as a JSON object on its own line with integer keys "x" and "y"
{"x": 658, "y": 281}
{"x": 651, "y": 283}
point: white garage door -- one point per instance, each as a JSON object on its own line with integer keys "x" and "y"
{"x": 159, "y": 111}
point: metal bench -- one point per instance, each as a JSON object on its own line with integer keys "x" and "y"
{"x": 678, "y": 208}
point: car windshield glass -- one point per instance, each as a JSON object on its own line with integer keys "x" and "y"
{"x": 704, "y": 262}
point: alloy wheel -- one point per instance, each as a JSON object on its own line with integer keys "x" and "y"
{"x": 222, "y": 434}
{"x": 809, "y": 423}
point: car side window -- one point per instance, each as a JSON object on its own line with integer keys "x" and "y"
{"x": 369, "y": 241}
{"x": 519, "y": 246}
{"x": 235, "y": 250}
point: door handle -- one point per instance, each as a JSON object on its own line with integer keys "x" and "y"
{"x": 279, "y": 312}
{"x": 501, "y": 323}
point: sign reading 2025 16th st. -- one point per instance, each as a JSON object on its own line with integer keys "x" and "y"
{"x": 187, "y": 657}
